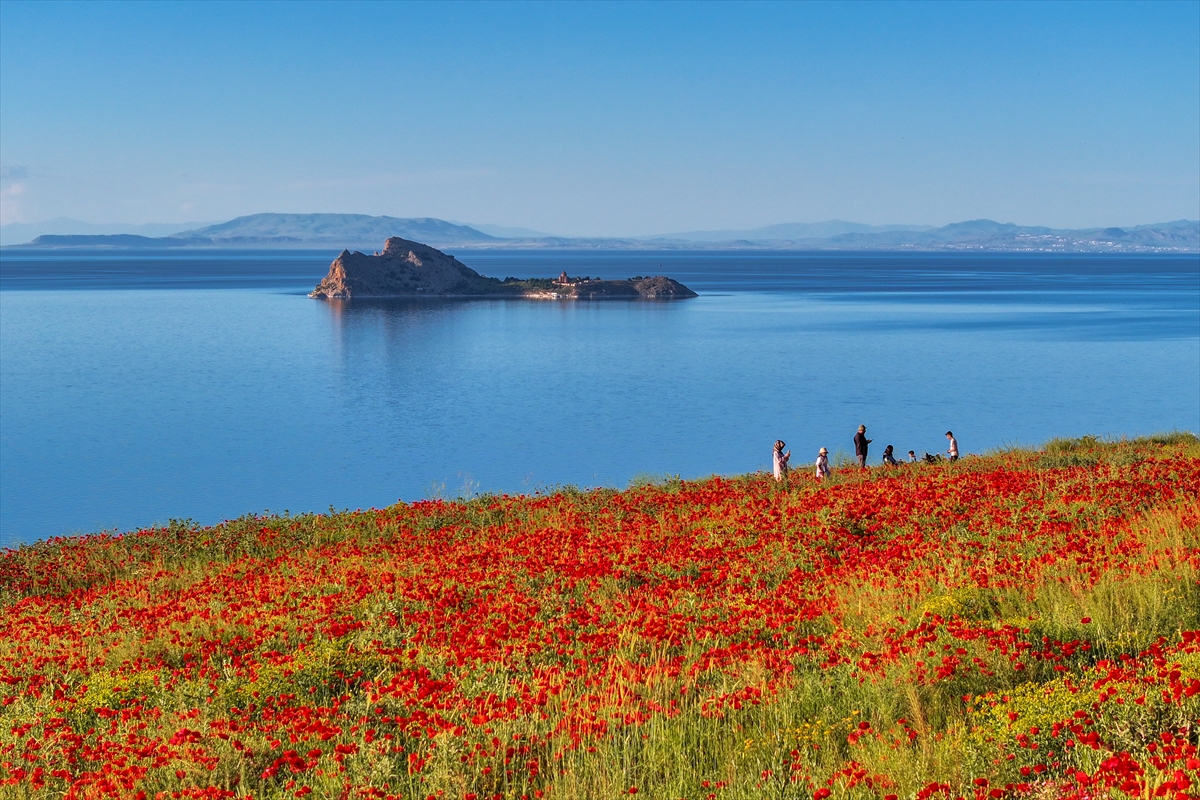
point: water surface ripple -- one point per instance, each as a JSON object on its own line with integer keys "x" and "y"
{"x": 135, "y": 389}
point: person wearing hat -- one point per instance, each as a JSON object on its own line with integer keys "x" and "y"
{"x": 779, "y": 460}
{"x": 822, "y": 464}
{"x": 860, "y": 446}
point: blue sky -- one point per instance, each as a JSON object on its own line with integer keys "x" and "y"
{"x": 603, "y": 119}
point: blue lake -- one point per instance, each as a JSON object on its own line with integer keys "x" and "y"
{"x": 135, "y": 388}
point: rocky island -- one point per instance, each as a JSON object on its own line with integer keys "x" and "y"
{"x": 411, "y": 269}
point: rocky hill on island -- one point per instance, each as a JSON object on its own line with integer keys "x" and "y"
{"x": 411, "y": 269}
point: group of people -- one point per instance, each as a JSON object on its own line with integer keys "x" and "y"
{"x": 780, "y": 459}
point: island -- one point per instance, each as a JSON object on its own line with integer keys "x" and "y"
{"x": 410, "y": 269}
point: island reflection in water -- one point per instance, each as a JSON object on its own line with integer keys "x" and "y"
{"x": 125, "y": 407}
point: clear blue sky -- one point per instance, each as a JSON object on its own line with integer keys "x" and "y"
{"x": 605, "y": 119}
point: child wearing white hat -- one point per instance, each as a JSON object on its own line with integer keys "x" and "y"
{"x": 822, "y": 464}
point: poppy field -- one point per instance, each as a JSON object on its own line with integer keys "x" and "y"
{"x": 1019, "y": 625}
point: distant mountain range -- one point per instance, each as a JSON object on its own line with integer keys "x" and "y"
{"x": 333, "y": 229}
{"x": 363, "y": 232}
{"x": 793, "y": 231}
{"x": 256, "y": 230}
{"x": 20, "y": 232}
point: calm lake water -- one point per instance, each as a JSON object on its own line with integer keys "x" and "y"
{"x": 135, "y": 388}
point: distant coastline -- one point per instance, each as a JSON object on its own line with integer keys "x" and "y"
{"x": 359, "y": 231}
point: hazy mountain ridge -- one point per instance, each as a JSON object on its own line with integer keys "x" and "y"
{"x": 363, "y": 232}
{"x": 21, "y": 232}
{"x": 507, "y": 231}
{"x": 790, "y": 230}
{"x": 986, "y": 234}
{"x": 340, "y": 229}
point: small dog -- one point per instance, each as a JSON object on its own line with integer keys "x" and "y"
{"x": 933, "y": 459}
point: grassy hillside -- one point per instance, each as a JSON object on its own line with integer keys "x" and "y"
{"x": 1023, "y": 624}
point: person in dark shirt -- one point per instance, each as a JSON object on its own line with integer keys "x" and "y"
{"x": 860, "y": 446}
{"x": 888, "y": 458}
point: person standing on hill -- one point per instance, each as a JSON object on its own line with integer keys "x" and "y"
{"x": 822, "y": 464}
{"x": 953, "y": 451}
{"x": 860, "y": 446}
{"x": 779, "y": 460}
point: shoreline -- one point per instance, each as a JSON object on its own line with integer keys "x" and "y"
{"x": 800, "y": 476}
